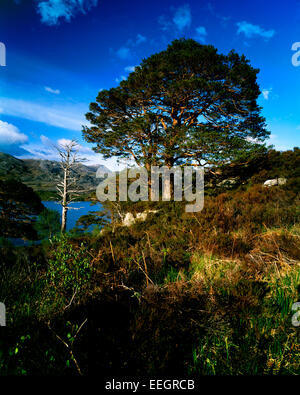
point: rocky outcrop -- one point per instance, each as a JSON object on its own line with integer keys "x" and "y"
{"x": 275, "y": 181}
{"x": 228, "y": 182}
{"x": 129, "y": 218}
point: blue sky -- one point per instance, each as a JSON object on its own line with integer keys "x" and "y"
{"x": 60, "y": 53}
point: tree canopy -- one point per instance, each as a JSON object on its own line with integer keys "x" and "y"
{"x": 187, "y": 104}
{"x": 19, "y": 205}
{"x": 47, "y": 224}
{"x": 85, "y": 221}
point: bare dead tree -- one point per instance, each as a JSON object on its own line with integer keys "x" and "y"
{"x": 66, "y": 188}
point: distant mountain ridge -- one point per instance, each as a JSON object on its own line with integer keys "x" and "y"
{"x": 43, "y": 175}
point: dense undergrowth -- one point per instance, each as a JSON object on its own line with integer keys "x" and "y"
{"x": 204, "y": 293}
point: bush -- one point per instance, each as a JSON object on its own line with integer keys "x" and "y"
{"x": 69, "y": 266}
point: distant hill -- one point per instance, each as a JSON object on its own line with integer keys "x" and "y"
{"x": 11, "y": 166}
{"x": 43, "y": 175}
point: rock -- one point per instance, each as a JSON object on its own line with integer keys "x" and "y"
{"x": 275, "y": 181}
{"x": 130, "y": 220}
{"x": 141, "y": 216}
{"x": 227, "y": 182}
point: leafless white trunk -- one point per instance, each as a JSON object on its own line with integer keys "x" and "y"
{"x": 64, "y": 202}
{"x": 66, "y": 188}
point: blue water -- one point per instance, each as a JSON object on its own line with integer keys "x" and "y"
{"x": 74, "y": 213}
{"x": 76, "y": 210}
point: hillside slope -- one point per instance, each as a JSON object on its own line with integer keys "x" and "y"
{"x": 43, "y": 175}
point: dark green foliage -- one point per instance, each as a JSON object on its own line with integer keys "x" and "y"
{"x": 18, "y": 206}
{"x": 69, "y": 266}
{"x": 11, "y": 167}
{"x": 85, "y": 221}
{"x": 256, "y": 170}
{"x": 183, "y": 104}
{"x": 279, "y": 165}
{"x": 47, "y": 224}
{"x": 47, "y": 195}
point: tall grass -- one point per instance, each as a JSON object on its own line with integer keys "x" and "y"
{"x": 260, "y": 338}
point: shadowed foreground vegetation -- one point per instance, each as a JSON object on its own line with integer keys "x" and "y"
{"x": 205, "y": 293}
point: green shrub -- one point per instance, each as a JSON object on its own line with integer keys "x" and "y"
{"x": 69, "y": 266}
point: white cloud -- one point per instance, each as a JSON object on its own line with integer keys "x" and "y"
{"x": 164, "y": 22}
{"x": 55, "y": 91}
{"x": 253, "y": 140}
{"x": 38, "y": 151}
{"x": 182, "y": 17}
{"x": 130, "y": 69}
{"x": 122, "y": 78}
{"x": 52, "y": 11}
{"x": 123, "y": 53}
{"x": 201, "y": 33}
{"x": 63, "y": 117}
{"x": 46, "y": 150}
{"x": 250, "y": 30}
{"x": 273, "y": 136}
{"x": 45, "y": 140}
{"x": 266, "y": 94}
{"x": 10, "y": 134}
{"x": 63, "y": 142}
{"x": 140, "y": 39}
{"x": 224, "y": 19}
{"x": 137, "y": 41}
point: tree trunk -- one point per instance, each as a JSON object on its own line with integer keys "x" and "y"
{"x": 168, "y": 186}
{"x": 64, "y": 203}
{"x": 148, "y": 168}
{"x": 64, "y": 219}
{"x": 167, "y": 190}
